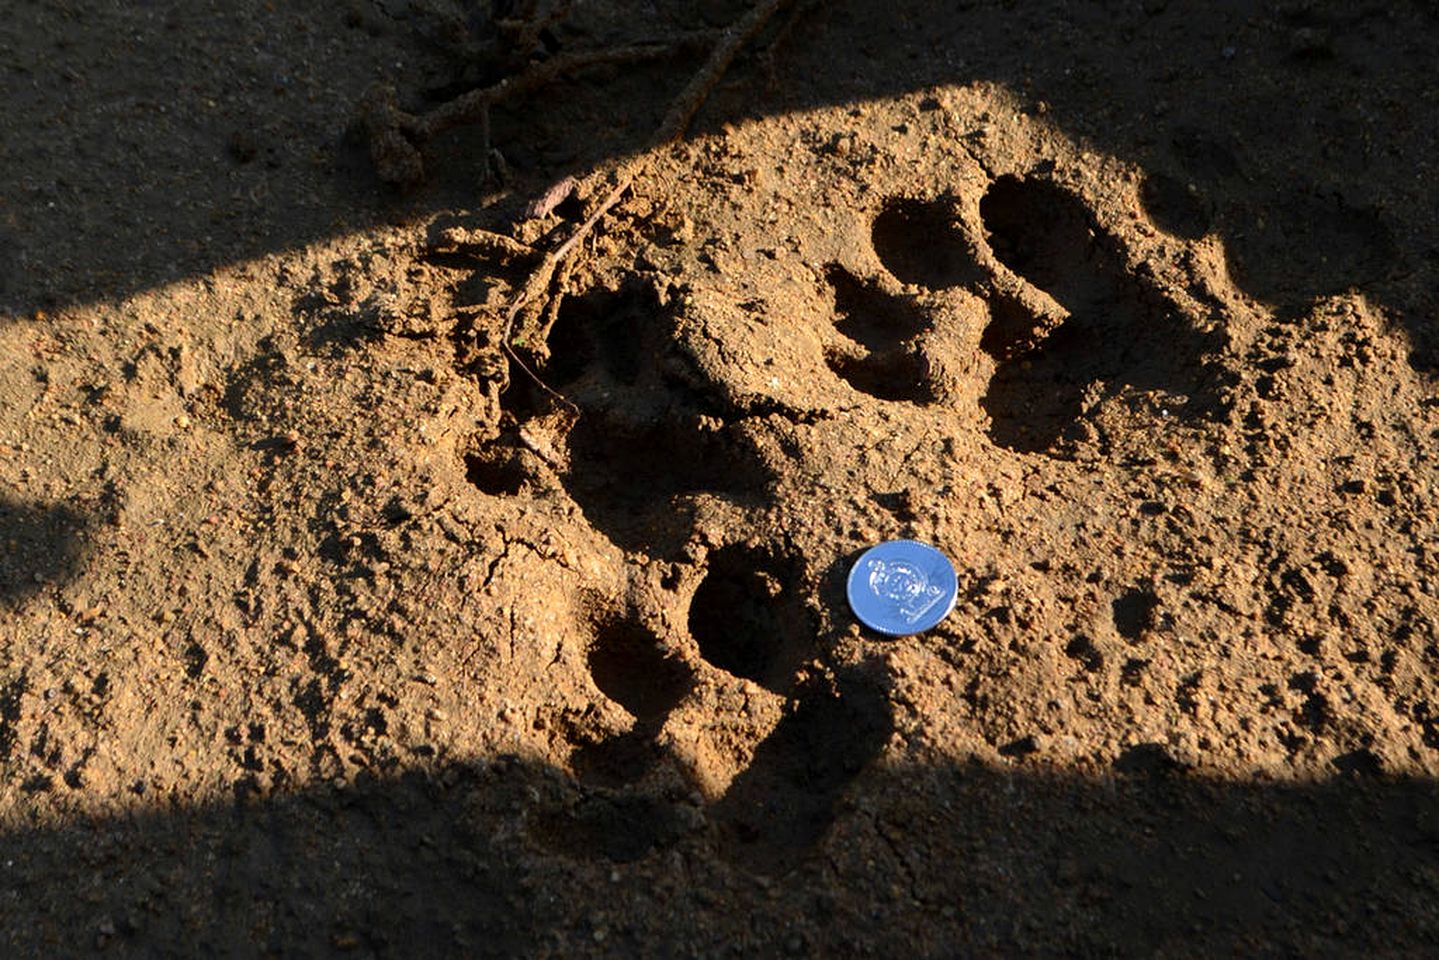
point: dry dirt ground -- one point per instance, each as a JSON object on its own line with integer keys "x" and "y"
{"x": 327, "y": 631}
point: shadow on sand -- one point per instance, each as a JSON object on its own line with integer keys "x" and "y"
{"x": 456, "y": 861}
{"x": 39, "y": 546}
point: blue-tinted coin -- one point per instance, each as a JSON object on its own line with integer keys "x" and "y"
{"x": 902, "y": 587}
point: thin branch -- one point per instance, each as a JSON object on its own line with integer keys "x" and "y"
{"x": 694, "y": 95}
{"x": 539, "y": 282}
{"x": 471, "y": 106}
{"x": 395, "y": 135}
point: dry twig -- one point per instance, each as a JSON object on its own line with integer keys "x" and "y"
{"x": 739, "y": 33}
{"x": 396, "y": 136}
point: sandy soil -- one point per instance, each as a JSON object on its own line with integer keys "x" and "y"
{"x": 327, "y": 631}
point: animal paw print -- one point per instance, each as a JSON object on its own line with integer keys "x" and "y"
{"x": 749, "y": 636}
{"x": 722, "y": 702}
{"x": 627, "y": 806}
{"x": 783, "y": 801}
{"x": 632, "y": 667}
{"x": 879, "y": 350}
{"x": 645, "y": 446}
{"x": 1080, "y": 330}
{"x": 736, "y": 701}
{"x": 890, "y": 337}
{"x": 1072, "y": 334}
